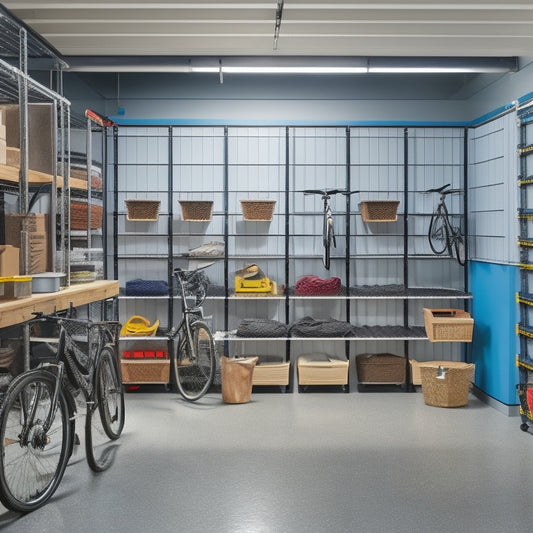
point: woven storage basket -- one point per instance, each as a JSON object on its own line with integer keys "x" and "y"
{"x": 446, "y": 383}
{"x": 145, "y": 371}
{"x": 380, "y": 368}
{"x": 258, "y": 210}
{"x": 379, "y": 210}
{"x": 79, "y": 216}
{"x": 196, "y": 210}
{"x": 448, "y": 325}
{"x": 143, "y": 210}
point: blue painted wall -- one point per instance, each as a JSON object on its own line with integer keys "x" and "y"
{"x": 494, "y": 344}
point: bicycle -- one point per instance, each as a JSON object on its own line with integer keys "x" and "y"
{"x": 328, "y": 230}
{"x": 441, "y": 234}
{"x": 193, "y": 363}
{"x": 38, "y": 412}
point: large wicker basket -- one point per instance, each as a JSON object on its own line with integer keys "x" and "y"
{"x": 446, "y": 383}
{"x": 196, "y": 210}
{"x": 142, "y": 210}
{"x": 258, "y": 210}
{"x": 448, "y": 325}
{"x": 379, "y": 210}
{"x": 79, "y": 216}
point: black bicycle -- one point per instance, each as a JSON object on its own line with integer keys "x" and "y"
{"x": 38, "y": 412}
{"x": 193, "y": 363}
{"x": 442, "y": 235}
{"x": 328, "y": 230}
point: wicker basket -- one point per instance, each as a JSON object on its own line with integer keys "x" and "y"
{"x": 380, "y": 368}
{"x": 79, "y": 215}
{"x": 446, "y": 383}
{"x": 258, "y": 210}
{"x": 143, "y": 210}
{"x": 196, "y": 210}
{"x": 379, "y": 210}
{"x": 145, "y": 371}
{"x": 448, "y": 325}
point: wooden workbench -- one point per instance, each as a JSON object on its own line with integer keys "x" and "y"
{"x": 21, "y": 310}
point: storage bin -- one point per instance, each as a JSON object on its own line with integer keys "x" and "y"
{"x": 271, "y": 373}
{"x": 446, "y": 383}
{"x": 380, "y": 368}
{"x": 141, "y": 371}
{"x": 142, "y": 210}
{"x": 322, "y": 369}
{"x": 237, "y": 375}
{"x": 12, "y": 287}
{"x": 196, "y": 210}
{"x": 47, "y": 281}
{"x": 448, "y": 325}
{"x": 379, "y": 210}
{"x": 258, "y": 210}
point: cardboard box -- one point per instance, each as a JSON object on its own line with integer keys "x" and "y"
{"x": 322, "y": 369}
{"x": 41, "y": 134}
{"x": 3, "y": 152}
{"x": 12, "y": 156}
{"x": 39, "y": 256}
{"x": 9, "y": 261}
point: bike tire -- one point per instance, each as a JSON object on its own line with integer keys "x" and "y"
{"x": 438, "y": 234}
{"x": 193, "y": 373}
{"x": 459, "y": 248}
{"x": 31, "y": 471}
{"x": 329, "y": 239}
{"x": 105, "y": 415}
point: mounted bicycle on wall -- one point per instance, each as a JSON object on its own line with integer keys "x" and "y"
{"x": 442, "y": 235}
{"x": 328, "y": 230}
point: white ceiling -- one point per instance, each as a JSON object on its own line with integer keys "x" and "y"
{"x": 308, "y": 27}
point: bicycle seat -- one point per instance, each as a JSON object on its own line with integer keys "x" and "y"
{"x": 439, "y": 189}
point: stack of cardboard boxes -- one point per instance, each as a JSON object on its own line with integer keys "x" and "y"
{"x": 40, "y": 153}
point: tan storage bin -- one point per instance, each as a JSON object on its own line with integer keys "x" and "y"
{"x": 145, "y": 371}
{"x": 271, "y": 374}
{"x": 446, "y": 383}
{"x": 322, "y": 369}
{"x": 448, "y": 325}
{"x": 379, "y": 210}
{"x": 237, "y": 376}
{"x": 258, "y": 210}
{"x": 196, "y": 210}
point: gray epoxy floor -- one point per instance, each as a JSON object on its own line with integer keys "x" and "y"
{"x": 313, "y": 462}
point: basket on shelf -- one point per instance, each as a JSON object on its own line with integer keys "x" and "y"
{"x": 379, "y": 210}
{"x": 446, "y": 383}
{"x": 258, "y": 210}
{"x": 196, "y": 210}
{"x": 380, "y": 368}
{"x": 79, "y": 216}
{"x": 448, "y": 325}
{"x": 145, "y": 371}
{"x": 142, "y": 210}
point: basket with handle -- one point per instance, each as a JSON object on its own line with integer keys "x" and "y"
{"x": 142, "y": 210}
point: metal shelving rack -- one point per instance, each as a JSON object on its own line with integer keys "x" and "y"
{"x": 524, "y": 297}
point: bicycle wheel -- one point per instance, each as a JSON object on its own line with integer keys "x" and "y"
{"x": 460, "y": 249}
{"x": 438, "y": 232}
{"x": 32, "y": 460}
{"x": 329, "y": 239}
{"x": 193, "y": 367}
{"x": 105, "y": 416}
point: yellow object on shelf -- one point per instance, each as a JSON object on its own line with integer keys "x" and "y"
{"x": 13, "y": 287}
{"x": 252, "y": 279}
{"x": 138, "y": 326}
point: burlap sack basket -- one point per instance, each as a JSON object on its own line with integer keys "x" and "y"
{"x": 237, "y": 375}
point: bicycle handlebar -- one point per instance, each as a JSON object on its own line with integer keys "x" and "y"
{"x": 329, "y": 192}
{"x": 442, "y": 190}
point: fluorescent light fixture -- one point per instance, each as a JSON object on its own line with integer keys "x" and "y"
{"x": 282, "y": 70}
{"x": 418, "y": 70}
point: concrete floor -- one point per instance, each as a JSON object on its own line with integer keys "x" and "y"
{"x": 313, "y": 462}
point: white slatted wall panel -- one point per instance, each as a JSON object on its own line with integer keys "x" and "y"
{"x": 493, "y": 192}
